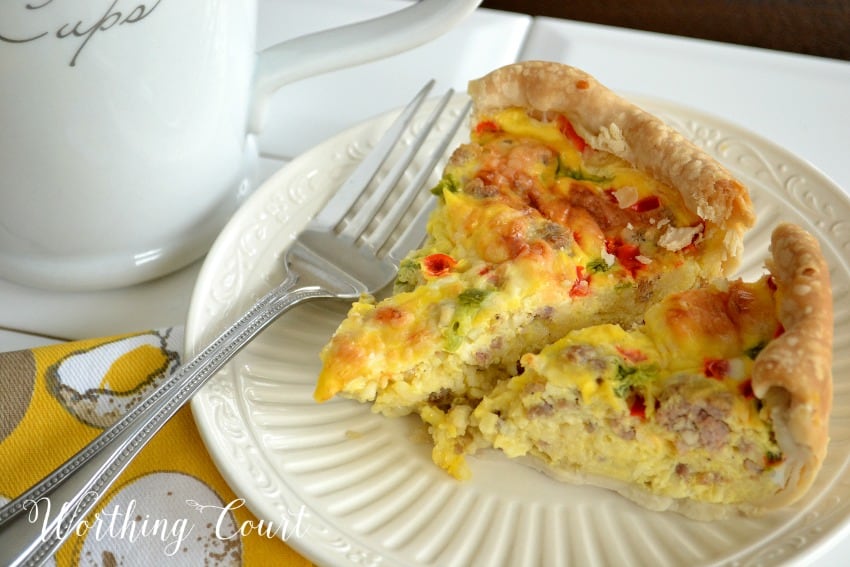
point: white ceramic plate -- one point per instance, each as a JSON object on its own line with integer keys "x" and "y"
{"x": 369, "y": 491}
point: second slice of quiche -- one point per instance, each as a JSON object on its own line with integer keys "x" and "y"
{"x": 569, "y": 207}
{"x": 718, "y": 402}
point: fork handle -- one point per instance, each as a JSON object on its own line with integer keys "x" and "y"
{"x": 34, "y": 525}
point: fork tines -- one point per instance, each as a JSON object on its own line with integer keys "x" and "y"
{"x": 390, "y": 208}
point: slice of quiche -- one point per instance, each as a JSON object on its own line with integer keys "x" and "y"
{"x": 719, "y": 401}
{"x": 561, "y": 310}
{"x": 568, "y": 207}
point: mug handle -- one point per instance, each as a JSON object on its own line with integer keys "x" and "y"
{"x": 349, "y": 45}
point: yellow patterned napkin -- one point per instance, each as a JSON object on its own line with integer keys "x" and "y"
{"x": 171, "y": 504}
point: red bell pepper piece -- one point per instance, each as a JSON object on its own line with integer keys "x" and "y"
{"x": 567, "y": 130}
{"x": 437, "y": 265}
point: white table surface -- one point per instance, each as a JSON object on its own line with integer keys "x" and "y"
{"x": 798, "y": 102}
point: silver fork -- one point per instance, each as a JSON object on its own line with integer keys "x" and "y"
{"x": 352, "y": 246}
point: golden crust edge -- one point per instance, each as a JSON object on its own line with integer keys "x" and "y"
{"x": 611, "y": 123}
{"x": 793, "y": 374}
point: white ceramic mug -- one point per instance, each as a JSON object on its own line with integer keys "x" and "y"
{"x": 127, "y": 127}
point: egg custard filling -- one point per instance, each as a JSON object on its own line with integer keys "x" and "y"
{"x": 569, "y": 307}
{"x": 667, "y": 406}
